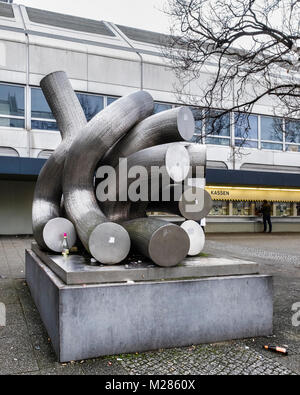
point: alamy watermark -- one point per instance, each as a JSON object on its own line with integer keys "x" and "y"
{"x": 2, "y": 315}
{"x": 137, "y": 183}
{"x": 296, "y": 316}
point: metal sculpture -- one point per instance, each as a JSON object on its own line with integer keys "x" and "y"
{"x": 125, "y": 129}
{"x": 70, "y": 119}
{"x": 110, "y": 241}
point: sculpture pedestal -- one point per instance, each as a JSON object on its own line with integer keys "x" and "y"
{"x": 88, "y": 321}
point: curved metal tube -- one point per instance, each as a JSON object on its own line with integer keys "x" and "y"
{"x": 165, "y": 127}
{"x": 70, "y": 118}
{"x": 164, "y": 243}
{"x": 166, "y": 157}
{"x": 102, "y": 132}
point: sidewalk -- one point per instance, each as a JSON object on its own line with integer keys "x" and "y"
{"x": 25, "y": 346}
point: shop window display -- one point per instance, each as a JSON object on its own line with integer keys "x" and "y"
{"x": 241, "y": 208}
{"x": 220, "y": 208}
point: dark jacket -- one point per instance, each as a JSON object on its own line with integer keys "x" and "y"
{"x": 266, "y": 210}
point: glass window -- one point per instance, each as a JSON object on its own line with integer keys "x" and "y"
{"x": 283, "y": 209}
{"x": 159, "y": 107}
{"x": 241, "y": 208}
{"x": 273, "y": 146}
{"x": 246, "y": 126}
{"x": 43, "y": 125}
{"x": 293, "y": 148}
{"x": 217, "y": 141}
{"x": 12, "y": 100}
{"x": 246, "y": 143}
{"x": 111, "y": 99}
{"x": 220, "y": 207}
{"x": 39, "y": 105}
{"x": 91, "y": 104}
{"x": 292, "y": 131}
{"x": 217, "y": 126}
{"x": 12, "y": 123}
{"x": 198, "y": 114}
{"x": 271, "y": 129}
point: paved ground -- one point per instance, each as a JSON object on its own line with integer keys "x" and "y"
{"x": 25, "y": 347}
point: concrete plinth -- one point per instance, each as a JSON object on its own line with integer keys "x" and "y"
{"x": 88, "y": 321}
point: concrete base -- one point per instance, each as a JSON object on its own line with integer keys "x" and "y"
{"x": 88, "y": 321}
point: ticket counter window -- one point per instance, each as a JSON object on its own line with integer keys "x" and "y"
{"x": 241, "y": 208}
{"x": 220, "y": 208}
{"x": 283, "y": 209}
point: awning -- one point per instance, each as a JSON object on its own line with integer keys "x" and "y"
{"x": 254, "y": 194}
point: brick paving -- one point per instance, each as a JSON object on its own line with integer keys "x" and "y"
{"x": 25, "y": 347}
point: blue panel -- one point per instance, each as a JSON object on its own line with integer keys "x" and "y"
{"x": 20, "y": 166}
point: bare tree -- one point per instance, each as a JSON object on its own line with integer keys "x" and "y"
{"x": 238, "y": 53}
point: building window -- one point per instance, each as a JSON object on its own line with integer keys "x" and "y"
{"x": 246, "y": 130}
{"x": 91, "y": 104}
{"x": 41, "y": 115}
{"x": 271, "y": 133}
{"x": 217, "y": 130}
{"x": 12, "y": 106}
{"x": 292, "y": 135}
{"x": 159, "y": 107}
{"x": 111, "y": 99}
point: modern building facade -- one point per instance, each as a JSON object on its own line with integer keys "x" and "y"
{"x": 105, "y": 61}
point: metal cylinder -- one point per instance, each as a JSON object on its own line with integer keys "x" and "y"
{"x": 172, "y": 160}
{"x": 191, "y": 203}
{"x": 53, "y": 234}
{"x": 195, "y": 203}
{"x": 165, "y": 127}
{"x": 196, "y": 236}
{"x": 70, "y": 119}
{"x": 101, "y": 133}
{"x": 164, "y": 243}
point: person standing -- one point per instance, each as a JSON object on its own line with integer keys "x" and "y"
{"x": 266, "y": 213}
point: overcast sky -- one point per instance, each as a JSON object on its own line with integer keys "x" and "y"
{"x": 143, "y": 14}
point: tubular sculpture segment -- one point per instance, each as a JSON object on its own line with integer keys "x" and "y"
{"x": 101, "y": 133}
{"x": 164, "y": 243}
{"x": 70, "y": 119}
{"x": 165, "y": 127}
{"x": 196, "y": 236}
{"x": 166, "y": 157}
